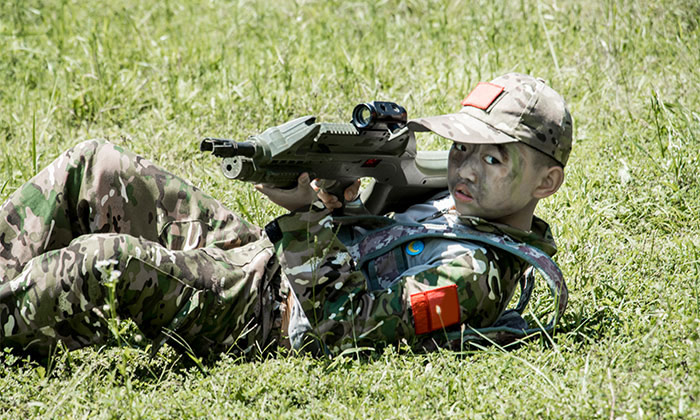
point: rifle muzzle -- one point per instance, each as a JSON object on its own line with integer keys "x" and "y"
{"x": 225, "y": 148}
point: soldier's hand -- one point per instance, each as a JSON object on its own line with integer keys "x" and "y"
{"x": 293, "y": 198}
{"x": 331, "y": 201}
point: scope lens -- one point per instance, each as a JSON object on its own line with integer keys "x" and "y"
{"x": 362, "y": 115}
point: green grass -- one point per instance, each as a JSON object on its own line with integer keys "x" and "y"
{"x": 158, "y": 76}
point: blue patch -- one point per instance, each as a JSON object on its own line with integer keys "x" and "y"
{"x": 415, "y": 247}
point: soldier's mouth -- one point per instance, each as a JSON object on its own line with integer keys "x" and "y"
{"x": 461, "y": 193}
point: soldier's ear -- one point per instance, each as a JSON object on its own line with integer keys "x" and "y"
{"x": 551, "y": 179}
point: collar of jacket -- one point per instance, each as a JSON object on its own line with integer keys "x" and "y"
{"x": 540, "y": 236}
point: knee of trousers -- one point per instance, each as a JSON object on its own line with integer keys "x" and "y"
{"x": 97, "y": 153}
{"x": 101, "y": 258}
{"x": 87, "y": 148}
{"x": 99, "y": 157}
{"x": 63, "y": 284}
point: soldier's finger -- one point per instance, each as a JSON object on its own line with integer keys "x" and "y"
{"x": 325, "y": 195}
{"x": 304, "y": 180}
{"x": 328, "y": 199}
{"x": 352, "y": 191}
{"x": 333, "y": 204}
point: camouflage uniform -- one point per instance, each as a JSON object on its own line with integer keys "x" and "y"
{"x": 181, "y": 266}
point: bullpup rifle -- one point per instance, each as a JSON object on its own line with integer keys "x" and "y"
{"x": 377, "y": 144}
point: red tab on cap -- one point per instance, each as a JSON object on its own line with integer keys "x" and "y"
{"x": 483, "y": 95}
{"x": 435, "y": 309}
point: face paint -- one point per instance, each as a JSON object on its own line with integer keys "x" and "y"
{"x": 491, "y": 182}
{"x": 516, "y": 174}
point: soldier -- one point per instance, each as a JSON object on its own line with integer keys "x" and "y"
{"x": 103, "y": 231}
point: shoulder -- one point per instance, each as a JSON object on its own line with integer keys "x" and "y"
{"x": 539, "y": 237}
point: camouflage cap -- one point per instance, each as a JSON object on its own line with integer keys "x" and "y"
{"x": 510, "y": 108}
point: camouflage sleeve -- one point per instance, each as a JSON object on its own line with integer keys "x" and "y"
{"x": 485, "y": 281}
{"x": 343, "y": 313}
{"x": 323, "y": 281}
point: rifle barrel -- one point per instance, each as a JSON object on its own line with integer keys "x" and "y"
{"x": 227, "y": 148}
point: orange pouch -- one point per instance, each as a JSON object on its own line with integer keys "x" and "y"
{"x": 435, "y": 309}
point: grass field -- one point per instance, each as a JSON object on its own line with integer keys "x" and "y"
{"x": 156, "y": 76}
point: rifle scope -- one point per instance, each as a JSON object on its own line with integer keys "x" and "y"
{"x": 378, "y": 115}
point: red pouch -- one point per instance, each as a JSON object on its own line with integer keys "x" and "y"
{"x": 426, "y": 315}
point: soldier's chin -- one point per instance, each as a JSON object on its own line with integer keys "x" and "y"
{"x": 467, "y": 211}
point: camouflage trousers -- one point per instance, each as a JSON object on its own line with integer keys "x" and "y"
{"x": 102, "y": 231}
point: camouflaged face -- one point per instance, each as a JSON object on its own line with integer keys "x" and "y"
{"x": 527, "y": 110}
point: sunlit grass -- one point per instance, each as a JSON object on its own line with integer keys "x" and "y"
{"x": 157, "y": 76}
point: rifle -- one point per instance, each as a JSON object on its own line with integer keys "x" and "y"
{"x": 377, "y": 143}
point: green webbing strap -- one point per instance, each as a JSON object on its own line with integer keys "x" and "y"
{"x": 527, "y": 283}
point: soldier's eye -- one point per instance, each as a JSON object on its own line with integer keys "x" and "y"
{"x": 491, "y": 160}
{"x": 459, "y": 147}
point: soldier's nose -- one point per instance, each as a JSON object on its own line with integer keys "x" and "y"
{"x": 466, "y": 172}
